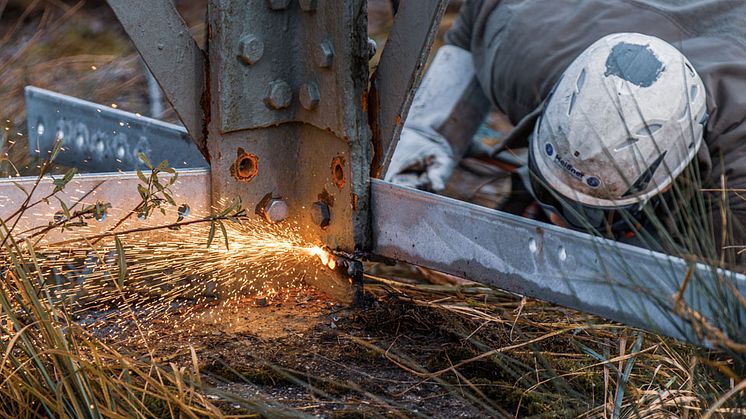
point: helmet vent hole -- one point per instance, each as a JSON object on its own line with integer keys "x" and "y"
{"x": 691, "y": 70}
{"x": 581, "y": 81}
{"x": 576, "y": 154}
{"x": 691, "y": 145}
{"x": 684, "y": 112}
{"x": 626, "y": 143}
{"x": 572, "y": 103}
{"x": 649, "y": 130}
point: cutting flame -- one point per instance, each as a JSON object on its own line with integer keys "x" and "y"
{"x": 326, "y": 258}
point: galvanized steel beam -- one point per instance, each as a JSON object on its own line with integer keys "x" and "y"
{"x": 192, "y": 187}
{"x": 398, "y": 74}
{"x": 172, "y": 55}
{"x": 609, "y": 279}
{"x": 99, "y": 138}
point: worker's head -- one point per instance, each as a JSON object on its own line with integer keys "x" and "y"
{"x": 624, "y": 120}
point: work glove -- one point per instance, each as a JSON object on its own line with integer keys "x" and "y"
{"x": 422, "y": 162}
{"x": 445, "y": 113}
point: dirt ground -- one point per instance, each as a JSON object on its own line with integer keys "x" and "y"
{"x": 302, "y": 350}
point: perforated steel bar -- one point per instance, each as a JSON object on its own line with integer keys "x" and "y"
{"x": 98, "y": 138}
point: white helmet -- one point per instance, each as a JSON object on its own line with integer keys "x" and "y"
{"x": 625, "y": 119}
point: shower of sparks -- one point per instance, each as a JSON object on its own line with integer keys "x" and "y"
{"x": 176, "y": 271}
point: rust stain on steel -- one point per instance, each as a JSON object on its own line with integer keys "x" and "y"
{"x": 205, "y": 101}
{"x": 246, "y": 166}
{"x": 338, "y": 172}
{"x": 364, "y": 101}
{"x": 373, "y": 103}
{"x": 355, "y": 201}
{"x": 326, "y": 198}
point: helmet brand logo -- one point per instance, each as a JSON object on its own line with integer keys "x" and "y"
{"x": 549, "y": 148}
{"x": 568, "y": 167}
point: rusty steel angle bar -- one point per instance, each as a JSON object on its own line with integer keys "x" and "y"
{"x": 609, "y": 279}
{"x": 398, "y": 74}
{"x": 288, "y": 129}
{"x": 172, "y": 55}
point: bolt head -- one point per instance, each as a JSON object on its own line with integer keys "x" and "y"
{"x": 372, "y": 48}
{"x": 251, "y": 49}
{"x": 324, "y": 54}
{"x": 310, "y": 96}
{"x": 278, "y": 4}
{"x": 320, "y": 214}
{"x": 279, "y": 95}
{"x": 276, "y": 210}
{"x": 309, "y": 5}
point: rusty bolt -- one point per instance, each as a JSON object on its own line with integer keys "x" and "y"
{"x": 320, "y": 214}
{"x": 278, "y": 4}
{"x": 279, "y": 95}
{"x": 310, "y": 96}
{"x": 309, "y": 5}
{"x": 324, "y": 54}
{"x": 276, "y": 210}
{"x": 252, "y": 49}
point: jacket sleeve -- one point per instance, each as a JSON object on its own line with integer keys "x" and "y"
{"x": 449, "y": 104}
{"x": 460, "y": 33}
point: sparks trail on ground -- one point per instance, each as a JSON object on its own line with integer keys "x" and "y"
{"x": 177, "y": 271}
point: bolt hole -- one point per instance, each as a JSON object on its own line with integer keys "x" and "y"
{"x": 338, "y": 172}
{"x": 562, "y": 254}
{"x": 245, "y": 167}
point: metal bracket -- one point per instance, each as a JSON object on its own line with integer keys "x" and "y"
{"x": 282, "y": 108}
{"x": 281, "y": 61}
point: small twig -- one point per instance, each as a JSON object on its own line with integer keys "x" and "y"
{"x": 143, "y": 230}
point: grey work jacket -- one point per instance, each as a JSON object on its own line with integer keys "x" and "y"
{"x": 521, "y": 48}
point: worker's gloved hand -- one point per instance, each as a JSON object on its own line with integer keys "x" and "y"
{"x": 421, "y": 162}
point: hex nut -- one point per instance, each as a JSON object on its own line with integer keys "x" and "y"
{"x": 276, "y": 210}
{"x": 279, "y": 95}
{"x": 324, "y": 54}
{"x": 278, "y": 4}
{"x": 320, "y": 214}
{"x": 252, "y": 49}
{"x": 309, "y": 5}
{"x": 310, "y": 96}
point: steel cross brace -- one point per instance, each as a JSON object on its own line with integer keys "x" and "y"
{"x": 283, "y": 99}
